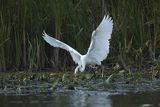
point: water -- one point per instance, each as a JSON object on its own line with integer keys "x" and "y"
{"x": 89, "y": 93}
{"x": 81, "y": 98}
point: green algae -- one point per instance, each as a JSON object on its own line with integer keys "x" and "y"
{"x": 33, "y": 82}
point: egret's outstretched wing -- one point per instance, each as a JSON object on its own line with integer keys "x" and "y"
{"x": 99, "y": 46}
{"x": 56, "y": 43}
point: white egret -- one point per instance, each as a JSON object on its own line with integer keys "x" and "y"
{"x": 98, "y": 49}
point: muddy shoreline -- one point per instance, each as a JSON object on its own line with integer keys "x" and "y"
{"x": 49, "y": 82}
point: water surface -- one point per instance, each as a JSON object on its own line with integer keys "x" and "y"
{"x": 83, "y": 99}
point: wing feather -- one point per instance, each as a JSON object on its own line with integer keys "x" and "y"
{"x": 99, "y": 46}
{"x": 56, "y": 43}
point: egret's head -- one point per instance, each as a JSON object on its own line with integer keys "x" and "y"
{"x": 81, "y": 68}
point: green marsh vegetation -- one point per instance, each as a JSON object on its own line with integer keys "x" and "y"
{"x": 49, "y": 82}
{"x": 134, "y": 43}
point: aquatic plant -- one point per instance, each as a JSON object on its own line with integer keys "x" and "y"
{"x": 134, "y": 43}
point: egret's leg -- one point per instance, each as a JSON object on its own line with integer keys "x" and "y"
{"x": 102, "y": 71}
{"x": 76, "y": 70}
{"x": 93, "y": 68}
{"x": 101, "y": 68}
{"x": 93, "y": 73}
{"x": 99, "y": 63}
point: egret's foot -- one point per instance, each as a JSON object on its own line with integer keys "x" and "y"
{"x": 75, "y": 74}
{"x": 93, "y": 66}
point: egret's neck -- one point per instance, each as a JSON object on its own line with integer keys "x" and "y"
{"x": 82, "y": 63}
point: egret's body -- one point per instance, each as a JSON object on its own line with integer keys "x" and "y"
{"x": 98, "y": 49}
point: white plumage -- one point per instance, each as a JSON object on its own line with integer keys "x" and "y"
{"x": 98, "y": 49}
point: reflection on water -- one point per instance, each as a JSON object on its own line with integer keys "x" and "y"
{"x": 83, "y": 99}
{"x": 143, "y": 99}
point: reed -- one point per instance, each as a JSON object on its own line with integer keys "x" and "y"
{"x": 135, "y": 39}
{"x": 136, "y": 31}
